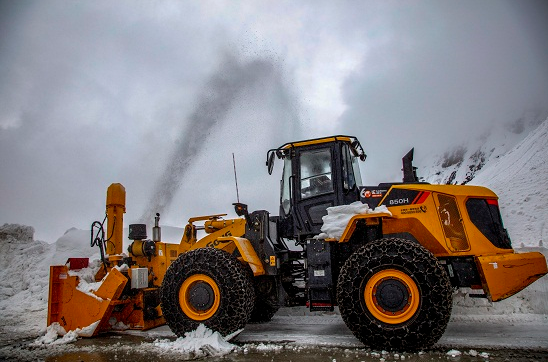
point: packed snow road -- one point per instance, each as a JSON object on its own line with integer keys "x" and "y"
{"x": 290, "y": 337}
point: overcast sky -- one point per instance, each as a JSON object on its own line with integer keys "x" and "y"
{"x": 95, "y": 92}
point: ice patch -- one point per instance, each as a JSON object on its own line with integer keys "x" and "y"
{"x": 262, "y": 347}
{"x": 454, "y": 353}
{"x": 201, "y": 342}
{"x": 337, "y": 218}
{"x": 119, "y": 326}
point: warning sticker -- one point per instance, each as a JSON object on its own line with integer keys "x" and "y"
{"x": 319, "y": 273}
{"x": 414, "y": 210}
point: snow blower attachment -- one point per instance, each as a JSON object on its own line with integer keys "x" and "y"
{"x": 119, "y": 297}
{"x": 389, "y": 256}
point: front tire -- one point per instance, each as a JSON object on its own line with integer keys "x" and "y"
{"x": 394, "y": 295}
{"x": 207, "y": 286}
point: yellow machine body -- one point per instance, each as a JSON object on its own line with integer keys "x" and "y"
{"x": 503, "y": 275}
{"x": 436, "y": 219}
{"x": 116, "y": 207}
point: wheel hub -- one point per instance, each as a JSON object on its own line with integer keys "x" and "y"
{"x": 391, "y": 294}
{"x": 201, "y": 296}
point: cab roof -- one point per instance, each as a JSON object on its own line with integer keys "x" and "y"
{"x": 315, "y": 141}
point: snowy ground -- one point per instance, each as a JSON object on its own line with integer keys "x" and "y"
{"x": 294, "y": 335}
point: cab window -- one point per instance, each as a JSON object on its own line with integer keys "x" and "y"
{"x": 348, "y": 172}
{"x": 315, "y": 173}
{"x": 286, "y": 187}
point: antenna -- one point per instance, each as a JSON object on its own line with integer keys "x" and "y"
{"x": 235, "y": 177}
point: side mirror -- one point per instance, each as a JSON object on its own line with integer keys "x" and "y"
{"x": 270, "y": 161}
{"x": 357, "y": 150}
{"x": 241, "y": 210}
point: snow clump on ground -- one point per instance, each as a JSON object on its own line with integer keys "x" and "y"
{"x": 201, "y": 342}
{"x": 55, "y": 330}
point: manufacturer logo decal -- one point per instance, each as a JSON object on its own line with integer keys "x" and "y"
{"x": 215, "y": 243}
{"x": 372, "y": 193}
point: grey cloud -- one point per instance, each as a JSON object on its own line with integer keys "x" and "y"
{"x": 99, "y": 92}
{"x": 445, "y": 71}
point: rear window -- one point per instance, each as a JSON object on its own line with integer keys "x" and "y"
{"x": 485, "y": 215}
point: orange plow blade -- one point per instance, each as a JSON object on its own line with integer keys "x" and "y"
{"x": 504, "y": 275}
{"x": 74, "y": 309}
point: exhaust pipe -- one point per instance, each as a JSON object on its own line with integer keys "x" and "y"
{"x": 156, "y": 230}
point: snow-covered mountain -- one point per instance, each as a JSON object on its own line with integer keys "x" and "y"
{"x": 459, "y": 164}
{"x": 520, "y": 179}
{"x": 513, "y": 162}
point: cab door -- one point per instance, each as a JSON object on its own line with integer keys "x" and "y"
{"x": 316, "y": 187}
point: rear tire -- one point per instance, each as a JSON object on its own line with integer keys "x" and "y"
{"x": 394, "y": 295}
{"x": 206, "y": 286}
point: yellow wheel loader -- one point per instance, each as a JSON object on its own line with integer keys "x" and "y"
{"x": 392, "y": 272}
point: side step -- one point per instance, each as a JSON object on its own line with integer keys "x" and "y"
{"x": 320, "y": 300}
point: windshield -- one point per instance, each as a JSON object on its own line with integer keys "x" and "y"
{"x": 357, "y": 173}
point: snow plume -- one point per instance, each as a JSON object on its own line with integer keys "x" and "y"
{"x": 224, "y": 90}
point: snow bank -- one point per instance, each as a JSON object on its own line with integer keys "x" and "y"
{"x": 462, "y": 163}
{"x": 24, "y": 281}
{"x": 337, "y": 218}
{"x": 202, "y": 342}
